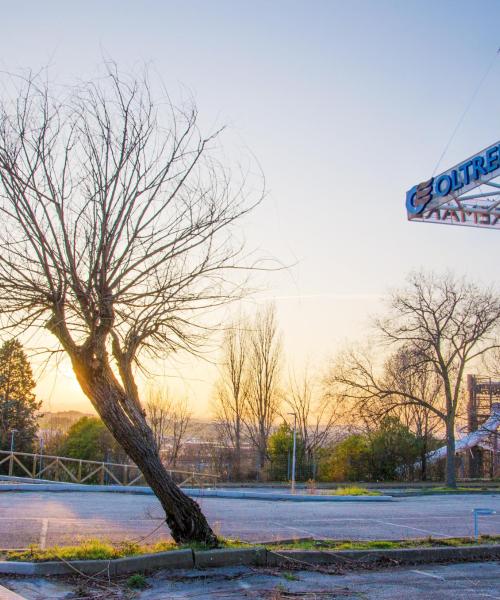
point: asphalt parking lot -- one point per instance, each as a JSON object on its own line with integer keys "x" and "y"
{"x": 426, "y": 582}
{"x": 46, "y": 518}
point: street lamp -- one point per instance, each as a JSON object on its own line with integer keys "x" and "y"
{"x": 41, "y": 456}
{"x": 294, "y": 448}
{"x": 12, "y": 434}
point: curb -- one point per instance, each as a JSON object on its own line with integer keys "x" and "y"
{"x": 193, "y": 492}
{"x": 173, "y": 559}
{"x": 401, "y": 556}
{"x": 448, "y": 493}
{"x": 228, "y": 557}
{"x": 260, "y": 556}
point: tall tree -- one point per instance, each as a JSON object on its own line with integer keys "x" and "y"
{"x": 169, "y": 420}
{"x": 407, "y": 371}
{"x": 264, "y": 365}
{"x": 314, "y": 412}
{"x": 158, "y": 409}
{"x": 180, "y": 419}
{"x": 444, "y": 323}
{"x": 116, "y": 236}
{"x": 18, "y": 404}
{"x": 231, "y": 392}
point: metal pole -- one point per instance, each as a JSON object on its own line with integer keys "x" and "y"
{"x": 294, "y": 450}
{"x": 12, "y": 433}
{"x": 41, "y": 457}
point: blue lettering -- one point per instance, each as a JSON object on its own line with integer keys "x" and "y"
{"x": 478, "y": 167}
{"x": 410, "y": 197}
{"x": 456, "y": 183}
{"x": 492, "y": 159}
{"x": 446, "y": 179}
{"x": 465, "y": 170}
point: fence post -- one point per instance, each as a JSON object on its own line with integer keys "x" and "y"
{"x": 11, "y": 464}
{"x": 101, "y": 475}
{"x": 56, "y": 471}
{"x": 125, "y": 474}
{"x": 33, "y": 471}
{"x": 79, "y": 476}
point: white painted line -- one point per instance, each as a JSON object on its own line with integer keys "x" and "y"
{"x": 244, "y": 585}
{"x": 429, "y": 574}
{"x": 435, "y": 533}
{"x": 6, "y": 594}
{"x": 43, "y": 533}
{"x": 314, "y": 535}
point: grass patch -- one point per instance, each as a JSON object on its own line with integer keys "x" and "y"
{"x": 101, "y": 550}
{"x": 385, "y": 544}
{"x": 137, "y": 582}
{"x": 94, "y": 549}
{"x": 352, "y": 491}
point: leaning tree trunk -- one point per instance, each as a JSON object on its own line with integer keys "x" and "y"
{"x": 125, "y": 420}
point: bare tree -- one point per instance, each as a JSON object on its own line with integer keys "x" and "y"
{"x": 231, "y": 392}
{"x": 116, "y": 220}
{"x": 169, "y": 420}
{"x": 444, "y": 324}
{"x": 180, "y": 419}
{"x": 264, "y": 364}
{"x": 316, "y": 414}
{"x": 411, "y": 373}
{"x": 158, "y": 413}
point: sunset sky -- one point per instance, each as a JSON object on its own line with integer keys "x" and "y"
{"x": 345, "y": 105}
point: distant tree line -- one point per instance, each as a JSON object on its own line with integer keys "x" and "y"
{"x": 378, "y": 409}
{"x": 374, "y": 414}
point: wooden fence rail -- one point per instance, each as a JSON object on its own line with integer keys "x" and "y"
{"x": 76, "y": 470}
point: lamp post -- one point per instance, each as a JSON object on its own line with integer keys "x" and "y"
{"x": 294, "y": 449}
{"x": 12, "y": 434}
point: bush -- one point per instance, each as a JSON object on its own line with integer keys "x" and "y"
{"x": 388, "y": 453}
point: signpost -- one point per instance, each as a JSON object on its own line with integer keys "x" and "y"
{"x": 453, "y": 197}
{"x": 294, "y": 449}
{"x": 484, "y": 512}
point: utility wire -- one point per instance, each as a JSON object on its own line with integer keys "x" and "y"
{"x": 467, "y": 108}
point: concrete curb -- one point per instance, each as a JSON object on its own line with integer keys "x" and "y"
{"x": 193, "y": 492}
{"x": 272, "y": 496}
{"x": 401, "y": 556}
{"x": 448, "y": 493}
{"x": 230, "y": 557}
{"x": 173, "y": 559}
{"x": 257, "y": 556}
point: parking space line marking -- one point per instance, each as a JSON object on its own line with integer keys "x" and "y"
{"x": 43, "y": 533}
{"x": 429, "y": 575}
{"x": 244, "y": 585}
{"x": 414, "y": 528}
{"x": 295, "y": 528}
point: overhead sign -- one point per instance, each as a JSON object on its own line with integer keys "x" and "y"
{"x": 445, "y": 198}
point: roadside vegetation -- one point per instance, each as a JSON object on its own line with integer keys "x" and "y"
{"x": 94, "y": 549}
{"x": 101, "y": 550}
{"x": 428, "y": 542}
{"x": 352, "y": 491}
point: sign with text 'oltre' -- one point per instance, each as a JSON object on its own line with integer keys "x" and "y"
{"x": 453, "y": 197}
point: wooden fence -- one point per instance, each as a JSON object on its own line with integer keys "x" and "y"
{"x": 75, "y": 470}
